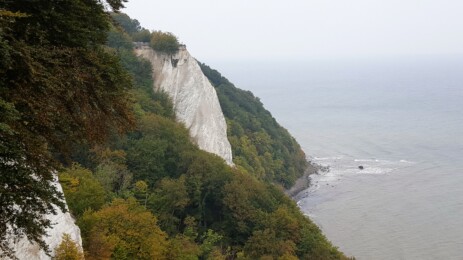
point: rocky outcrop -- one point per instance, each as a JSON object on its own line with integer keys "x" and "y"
{"x": 62, "y": 223}
{"x": 195, "y": 100}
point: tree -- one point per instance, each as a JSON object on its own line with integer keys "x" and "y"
{"x": 169, "y": 201}
{"x": 141, "y": 192}
{"x": 209, "y": 240}
{"x": 112, "y": 172}
{"x": 132, "y": 27}
{"x": 82, "y": 190}
{"x": 129, "y": 25}
{"x": 123, "y": 230}
{"x": 119, "y": 40}
{"x": 153, "y": 152}
{"x": 68, "y": 250}
{"x": 183, "y": 247}
{"x": 142, "y": 36}
{"x": 164, "y": 42}
{"x": 266, "y": 243}
{"x": 58, "y": 87}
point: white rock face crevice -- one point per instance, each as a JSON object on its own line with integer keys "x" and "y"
{"x": 195, "y": 100}
{"x": 62, "y": 223}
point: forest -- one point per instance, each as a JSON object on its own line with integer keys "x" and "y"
{"x": 74, "y": 99}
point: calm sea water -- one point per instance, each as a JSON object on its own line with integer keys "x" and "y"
{"x": 402, "y": 119}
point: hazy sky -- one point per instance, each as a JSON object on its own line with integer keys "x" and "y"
{"x": 218, "y": 30}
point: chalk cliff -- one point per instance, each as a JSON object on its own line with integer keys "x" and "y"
{"x": 195, "y": 100}
{"x": 62, "y": 223}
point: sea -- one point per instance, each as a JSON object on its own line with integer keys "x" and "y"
{"x": 399, "y": 118}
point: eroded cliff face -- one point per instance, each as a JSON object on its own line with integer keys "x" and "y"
{"x": 195, "y": 100}
{"x": 62, "y": 223}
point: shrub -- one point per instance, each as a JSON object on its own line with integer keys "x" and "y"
{"x": 164, "y": 42}
{"x": 68, "y": 250}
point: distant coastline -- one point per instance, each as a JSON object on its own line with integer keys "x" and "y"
{"x": 303, "y": 183}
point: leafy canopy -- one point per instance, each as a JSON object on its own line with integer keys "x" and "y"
{"x": 68, "y": 250}
{"x": 123, "y": 230}
{"x": 164, "y": 42}
{"x": 58, "y": 87}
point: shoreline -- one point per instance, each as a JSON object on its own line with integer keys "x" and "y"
{"x": 303, "y": 182}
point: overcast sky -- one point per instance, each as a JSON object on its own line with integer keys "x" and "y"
{"x": 219, "y": 30}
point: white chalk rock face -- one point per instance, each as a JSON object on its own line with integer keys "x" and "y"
{"x": 62, "y": 223}
{"x": 195, "y": 100}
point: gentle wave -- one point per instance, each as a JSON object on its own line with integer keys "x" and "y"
{"x": 327, "y": 158}
{"x": 341, "y": 166}
{"x": 370, "y": 160}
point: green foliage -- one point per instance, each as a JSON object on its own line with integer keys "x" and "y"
{"x": 169, "y": 199}
{"x": 68, "y": 250}
{"x": 58, "y": 87}
{"x": 155, "y": 150}
{"x": 122, "y": 230}
{"x": 184, "y": 248}
{"x": 209, "y": 240}
{"x": 59, "y": 22}
{"x": 142, "y": 36}
{"x": 141, "y": 192}
{"x": 112, "y": 171}
{"x": 129, "y": 26}
{"x": 82, "y": 190}
{"x": 119, "y": 40}
{"x": 260, "y": 145}
{"x": 164, "y": 42}
{"x": 266, "y": 244}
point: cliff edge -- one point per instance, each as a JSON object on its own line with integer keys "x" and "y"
{"x": 195, "y": 100}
